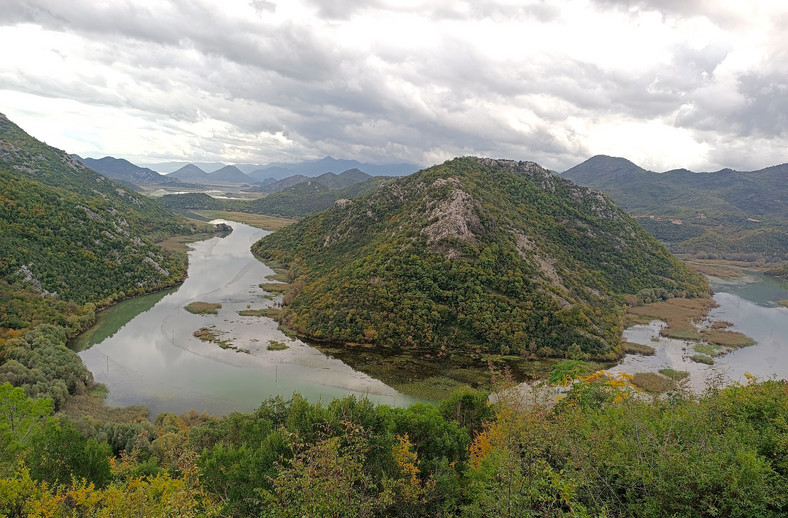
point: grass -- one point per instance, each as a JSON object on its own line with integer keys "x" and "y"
{"x": 265, "y": 312}
{"x": 633, "y": 348}
{"x": 203, "y": 308}
{"x": 725, "y": 338}
{"x": 275, "y": 345}
{"x": 92, "y": 405}
{"x": 256, "y": 220}
{"x": 275, "y": 287}
{"x": 280, "y": 275}
{"x": 721, "y": 324}
{"x": 436, "y": 388}
{"x": 702, "y": 358}
{"x": 679, "y": 314}
{"x": 716, "y": 270}
{"x": 708, "y": 349}
{"x": 674, "y": 374}
{"x": 209, "y": 334}
{"x": 653, "y": 382}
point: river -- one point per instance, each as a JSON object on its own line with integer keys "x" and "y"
{"x": 749, "y": 302}
{"x": 144, "y": 350}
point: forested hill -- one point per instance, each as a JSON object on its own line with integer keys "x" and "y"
{"x": 475, "y": 252}
{"x": 731, "y": 214}
{"x": 69, "y": 231}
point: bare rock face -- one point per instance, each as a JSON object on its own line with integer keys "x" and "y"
{"x": 456, "y": 216}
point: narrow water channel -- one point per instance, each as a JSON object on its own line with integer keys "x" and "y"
{"x": 145, "y": 352}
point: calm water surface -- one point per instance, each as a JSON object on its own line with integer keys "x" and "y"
{"x": 146, "y": 354}
{"x": 750, "y": 303}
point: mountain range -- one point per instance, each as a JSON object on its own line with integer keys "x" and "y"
{"x": 280, "y": 170}
{"x": 726, "y": 214}
{"x": 124, "y": 171}
{"x": 226, "y": 175}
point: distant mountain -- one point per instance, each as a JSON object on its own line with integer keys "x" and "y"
{"x": 190, "y": 173}
{"x": 726, "y": 213}
{"x": 278, "y": 185}
{"x": 344, "y": 179}
{"x": 314, "y": 168}
{"x": 330, "y": 180}
{"x": 171, "y": 167}
{"x": 474, "y": 255}
{"x": 124, "y": 171}
{"x": 230, "y": 174}
{"x": 305, "y": 198}
{"x": 74, "y": 232}
{"x": 280, "y": 170}
{"x": 603, "y": 169}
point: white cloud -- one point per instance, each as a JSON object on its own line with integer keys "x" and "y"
{"x": 666, "y": 83}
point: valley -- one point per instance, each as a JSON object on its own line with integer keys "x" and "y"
{"x": 406, "y": 339}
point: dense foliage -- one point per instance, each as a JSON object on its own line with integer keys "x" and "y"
{"x": 603, "y": 450}
{"x": 498, "y": 255}
{"x": 68, "y": 230}
{"x": 727, "y": 214}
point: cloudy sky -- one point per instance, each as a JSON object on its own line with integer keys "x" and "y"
{"x": 701, "y": 84}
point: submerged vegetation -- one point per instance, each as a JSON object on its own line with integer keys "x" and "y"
{"x": 203, "y": 308}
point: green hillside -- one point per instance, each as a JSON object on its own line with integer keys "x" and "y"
{"x": 69, "y": 231}
{"x": 297, "y": 201}
{"x": 726, "y": 214}
{"x": 308, "y": 197}
{"x": 477, "y": 253}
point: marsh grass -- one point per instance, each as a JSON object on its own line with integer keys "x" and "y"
{"x": 653, "y": 382}
{"x": 702, "y": 358}
{"x": 678, "y": 314}
{"x": 264, "y": 312}
{"x": 203, "y": 308}
{"x": 708, "y": 349}
{"x": 275, "y": 345}
{"x": 275, "y": 287}
{"x": 674, "y": 374}
{"x": 726, "y": 338}
{"x": 633, "y": 348}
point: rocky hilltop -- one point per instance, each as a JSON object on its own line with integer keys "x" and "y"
{"x": 474, "y": 253}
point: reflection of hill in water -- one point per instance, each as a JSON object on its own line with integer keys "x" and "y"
{"x": 112, "y": 319}
{"x": 147, "y": 355}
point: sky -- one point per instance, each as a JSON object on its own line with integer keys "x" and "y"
{"x": 701, "y": 84}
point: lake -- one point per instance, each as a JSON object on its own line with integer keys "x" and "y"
{"x": 144, "y": 350}
{"x": 749, "y": 302}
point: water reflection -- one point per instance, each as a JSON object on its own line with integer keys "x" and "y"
{"x": 750, "y": 304}
{"x": 155, "y": 360}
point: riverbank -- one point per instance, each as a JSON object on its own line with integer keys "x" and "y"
{"x": 150, "y": 356}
